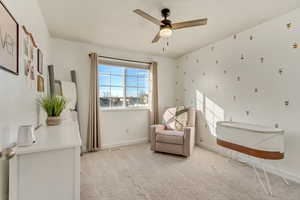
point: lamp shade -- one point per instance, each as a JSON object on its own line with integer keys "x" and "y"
{"x": 165, "y": 32}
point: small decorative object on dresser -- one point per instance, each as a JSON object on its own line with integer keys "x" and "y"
{"x": 53, "y": 105}
{"x": 26, "y": 136}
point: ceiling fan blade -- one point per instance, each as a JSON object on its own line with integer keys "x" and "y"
{"x": 187, "y": 24}
{"x": 156, "y": 38}
{"x": 147, "y": 16}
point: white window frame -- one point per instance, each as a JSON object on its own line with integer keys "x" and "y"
{"x": 125, "y": 65}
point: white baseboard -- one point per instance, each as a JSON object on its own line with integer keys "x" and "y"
{"x": 270, "y": 169}
{"x": 125, "y": 143}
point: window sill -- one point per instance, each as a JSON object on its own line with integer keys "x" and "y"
{"x": 123, "y": 109}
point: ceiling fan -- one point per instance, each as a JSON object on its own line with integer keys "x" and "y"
{"x": 166, "y": 25}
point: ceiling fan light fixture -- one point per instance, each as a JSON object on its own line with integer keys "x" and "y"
{"x": 165, "y": 32}
{"x": 166, "y": 25}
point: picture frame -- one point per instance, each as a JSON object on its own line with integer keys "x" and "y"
{"x": 40, "y": 84}
{"x": 30, "y": 55}
{"x": 9, "y": 39}
{"x": 40, "y": 62}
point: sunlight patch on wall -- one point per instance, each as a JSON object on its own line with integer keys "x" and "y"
{"x": 199, "y": 101}
{"x": 212, "y": 111}
{"x": 213, "y": 114}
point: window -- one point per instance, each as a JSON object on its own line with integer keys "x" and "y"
{"x": 123, "y": 86}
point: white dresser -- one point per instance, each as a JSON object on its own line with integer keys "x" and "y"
{"x": 49, "y": 169}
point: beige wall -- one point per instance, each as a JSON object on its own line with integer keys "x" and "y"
{"x": 202, "y": 71}
{"x": 18, "y": 98}
{"x": 118, "y": 127}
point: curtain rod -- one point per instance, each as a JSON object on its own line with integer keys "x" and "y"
{"x": 125, "y": 60}
{"x": 121, "y": 59}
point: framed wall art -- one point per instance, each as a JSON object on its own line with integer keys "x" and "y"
{"x": 9, "y": 40}
{"x": 40, "y": 61}
{"x": 40, "y": 84}
{"x": 30, "y": 54}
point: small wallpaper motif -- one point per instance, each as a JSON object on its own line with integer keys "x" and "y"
{"x": 295, "y": 45}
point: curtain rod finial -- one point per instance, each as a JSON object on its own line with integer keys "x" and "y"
{"x": 90, "y": 54}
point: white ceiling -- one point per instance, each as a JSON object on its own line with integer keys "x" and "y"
{"x": 112, "y": 23}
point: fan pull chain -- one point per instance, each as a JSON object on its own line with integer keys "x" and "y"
{"x": 166, "y": 44}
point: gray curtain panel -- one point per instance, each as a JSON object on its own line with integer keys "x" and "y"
{"x": 93, "y": 134}
{"x": 154, "y": 116}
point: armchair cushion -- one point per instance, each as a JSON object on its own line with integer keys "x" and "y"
{"x": 170, "y": 137}
{"x": 181, "y": 119}
{"x": 175, "y": 118}
{"x": 169, "y": 118}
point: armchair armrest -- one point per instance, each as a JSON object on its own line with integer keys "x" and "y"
{"x": 153, "y": 130}
{"x": 189, "y": 129}
{"x": 157, "y": 127}
{"x": 189, "y": 140}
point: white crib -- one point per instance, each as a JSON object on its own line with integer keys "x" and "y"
{"x": 256, "y": 141}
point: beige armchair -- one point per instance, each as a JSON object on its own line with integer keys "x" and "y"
{"x": 173, "y": 141}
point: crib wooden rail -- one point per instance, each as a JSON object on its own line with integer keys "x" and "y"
{"x": 269, "y": 155}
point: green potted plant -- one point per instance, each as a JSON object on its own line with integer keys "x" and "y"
{"x": 53, "y": 105}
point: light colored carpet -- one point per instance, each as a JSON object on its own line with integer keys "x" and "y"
{"x": 136, "y": 173}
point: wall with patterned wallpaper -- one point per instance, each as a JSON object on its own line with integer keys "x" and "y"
{"x": 253, "y": 77}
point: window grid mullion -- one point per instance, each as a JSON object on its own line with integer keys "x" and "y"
{"x": 124, "y": 88}
{"x": 137, "y": 85}
{"x": 110, "y": 97}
